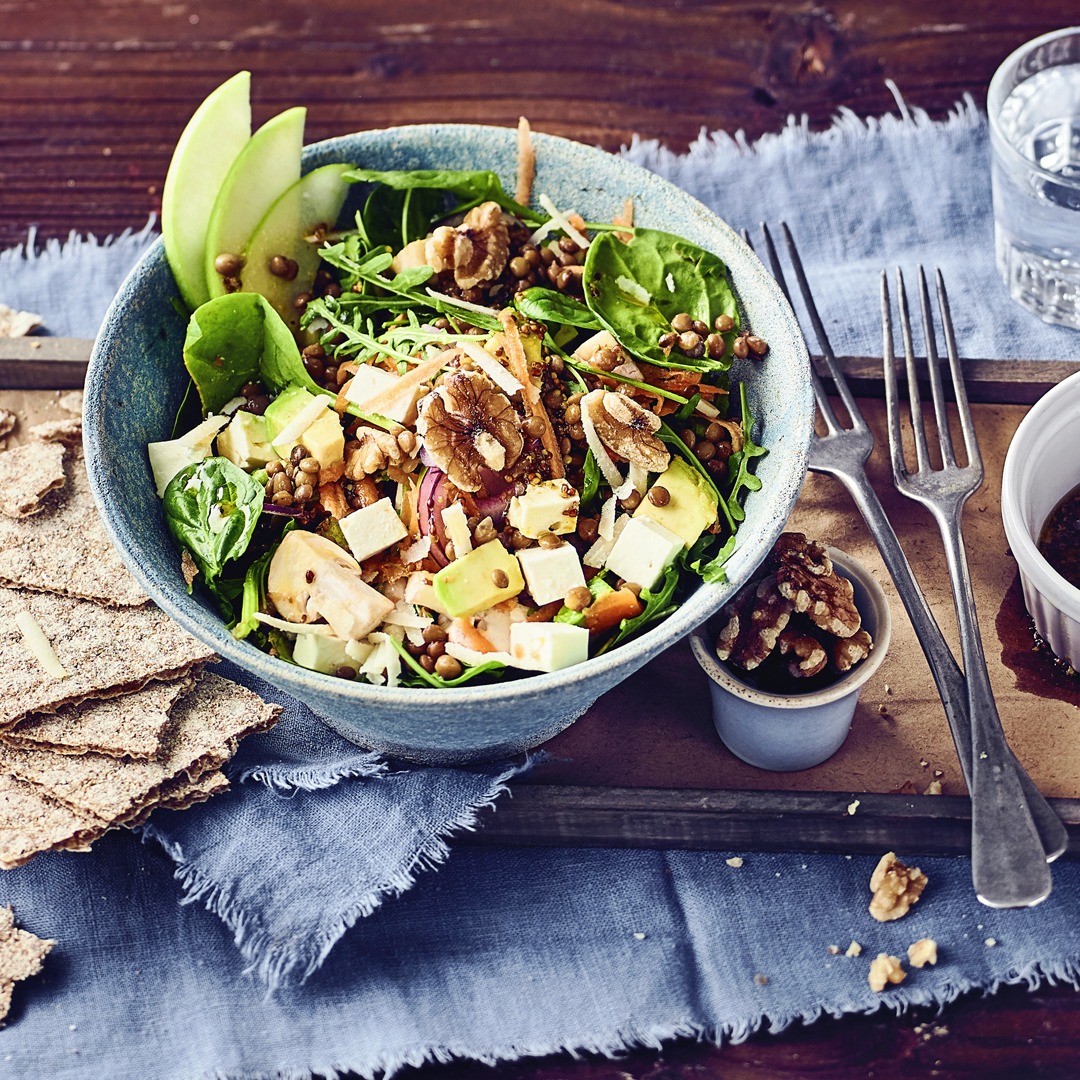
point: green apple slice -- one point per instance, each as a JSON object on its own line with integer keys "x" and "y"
{"x": 213, "y": 138}
{"x": 291, "y": 229}
{"x": 264, "y": 170}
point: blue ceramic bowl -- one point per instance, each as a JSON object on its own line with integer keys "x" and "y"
{"x": 136, "y": 380}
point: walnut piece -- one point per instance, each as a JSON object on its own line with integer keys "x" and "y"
{"x": 468, "y": 424}
{"x": 808, "y": 654}
{"x": 754, "y": 620}
{"x": 854, "y": 949}
{"x": 375, "y": 449}
{"x": 923, "y": 952}
{"x": 895, "y": 888}
{"x": 627, "y": 429}
{"x": 847, "y": 652}
{"x": 805, "y": 575}
{"x": 475, "y": 251}
{"x": 884, "y": 970}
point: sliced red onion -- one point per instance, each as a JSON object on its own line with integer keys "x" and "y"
{"x": 426, "y": 458}
{"x": 430, "y": 500}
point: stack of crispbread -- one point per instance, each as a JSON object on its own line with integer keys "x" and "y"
{"x": 105, "y": 710}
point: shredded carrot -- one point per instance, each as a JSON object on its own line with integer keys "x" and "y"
{"x": 526, "y": 162}
{"x": 519, "y": 365}
{"x": 625, "y": 218}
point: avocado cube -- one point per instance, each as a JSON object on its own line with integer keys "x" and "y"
{"x": 323, "y": 438}
{"x": 467, "y": 585}
{"x": 691, "y": 505}
{"x": 322, "y": 652}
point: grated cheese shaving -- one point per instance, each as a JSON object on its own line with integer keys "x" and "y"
{"x": 598, "y": 554}
{"x": 709, "y": 411}
{"x": 321, "y": 628}
{"x": 418, "y": 551}
{"x": 632, "y": 290}
{"x": 296, "y": 427}
{"x": 471, "y": 658}
{"x": 560, "y": 220}
{"x": 639, "y": 478}
{"x": 457, "y": 528}
{"x": 606, "y": 527}
{"x": 603, "y": 458}
{"x": 39, "y": 644}
{"x": 458, "y": 302}
{"x": 491, "y": 367}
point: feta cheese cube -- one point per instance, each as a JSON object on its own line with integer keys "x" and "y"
{"x": 372, "y": 529}
{"x": 643, "y": 551}
{"x": 550, "y": 573}
{"x": 370, "y": 381}
{"x": 548, "y": 646}
{"x": 598, "y": 554}
{"x": 550, "y": 506}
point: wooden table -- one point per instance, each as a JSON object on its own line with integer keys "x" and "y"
{"x": 94, "y": 94}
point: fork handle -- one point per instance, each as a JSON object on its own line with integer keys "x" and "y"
{"x": 1008, "y": 865}
{"x": 950, "y": 680}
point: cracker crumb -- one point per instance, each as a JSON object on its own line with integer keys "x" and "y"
{"x": 888, "y": 689}
{"x": 895, "y": 888}
{"x": 924, "y": 763}
{"x": 854, "y": 949}
{"x": 934, "y": 788}
{"x": 761, "y": 980}
{"x": 922, "y": 952}
{"x": 735, "y": 862}
{"x": 991, "y": 942}
{"x": 834, "y": 950}
{"x": 21, "y": 955}
{"x": 883, "y": 709}
{"x": 852, "y": 807}
{"x": 939, "y": 772}
{"x": 639, "y": 936}
{"x": 884, "y": 970}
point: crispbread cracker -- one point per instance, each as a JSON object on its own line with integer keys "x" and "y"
{"x": 181, "y": 793}
{"x": 130, "y": 725}
{"x": 207, "y": 724}
{"x": 105, "y": 651}
{"x": 67, "y": 431}
{"x": 8, "y": 420}
{"x": 30, "y": 472}
{"x": 64, "y": 548}
{"x": 31, "y": 822}
{"x": 72, "y": 402}
{"x": 21, "y": 955}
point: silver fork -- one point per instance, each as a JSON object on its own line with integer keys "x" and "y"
{"x": 842, "y": 454}
{"x": 1008, "y": 864}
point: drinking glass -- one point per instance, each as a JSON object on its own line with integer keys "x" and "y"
{"x": 1034, "y": 110}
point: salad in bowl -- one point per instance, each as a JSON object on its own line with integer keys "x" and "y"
{"x": 425, "y": 443}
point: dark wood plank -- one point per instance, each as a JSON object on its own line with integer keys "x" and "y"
{"x": 94, "y": 95}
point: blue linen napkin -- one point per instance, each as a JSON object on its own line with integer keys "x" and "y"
{"x": 507, "y": 952}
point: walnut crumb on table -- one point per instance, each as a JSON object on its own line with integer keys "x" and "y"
{"x": 922, "y": 952}
{"x": 736, "y": 862}
{"x": 895, "y": 888}
{"x": 884, "y": 970}
{"x": 854, "y": 949}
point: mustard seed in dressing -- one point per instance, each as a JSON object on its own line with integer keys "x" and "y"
{"x": 1059, "y": 539}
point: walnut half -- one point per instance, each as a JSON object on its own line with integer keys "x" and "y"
{"x": 475, "y": 251}
{"x": 468, "y": 424}
{"x": 627, "y": 429}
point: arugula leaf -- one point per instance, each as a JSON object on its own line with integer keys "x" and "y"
{"x": 211, "y": 508}
{"x": 236, "y": 339}
{"x": 635, "y": 289}
{"x": 549, "y": 305}
{"x": 591, "y": 485}
{"x": 658, "y": 605}
{"x": 472, "y": 187}
{"x": 739, "y": 463}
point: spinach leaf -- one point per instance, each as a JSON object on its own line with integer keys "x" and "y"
{"x": 591, "y": 485}
{"x": 393, "y": 217}
{"x": 551, "y": 306}
{"x": 236, "y": 339}
{"x": 472, "y": 187}
{"x": 212, "y": 508}
{"x": 635, "y": 289}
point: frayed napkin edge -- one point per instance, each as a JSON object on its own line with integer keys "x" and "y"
{"x": 287, "y": 780}
{"x": 627, "y": 1038}
{"x": 275, "y": 963}
{"x": 76, "y": 244}
{"x": 715, "y": 146}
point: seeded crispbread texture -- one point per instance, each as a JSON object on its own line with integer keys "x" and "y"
{"x": 72, "y": 402}
{"x": 106, "y": 651}
{"x": 8, "y": 420}
{"x": 30, "y": 472}
{"x": 31, "y": 822}
{"x": 130, "y": 725}
{"x": 67, "y": 431}
{"x": 64, "y": 548}
{"x": 207, "y": 725}
{"x": 182, "y": 793}
{"x": 21, "y": 955}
